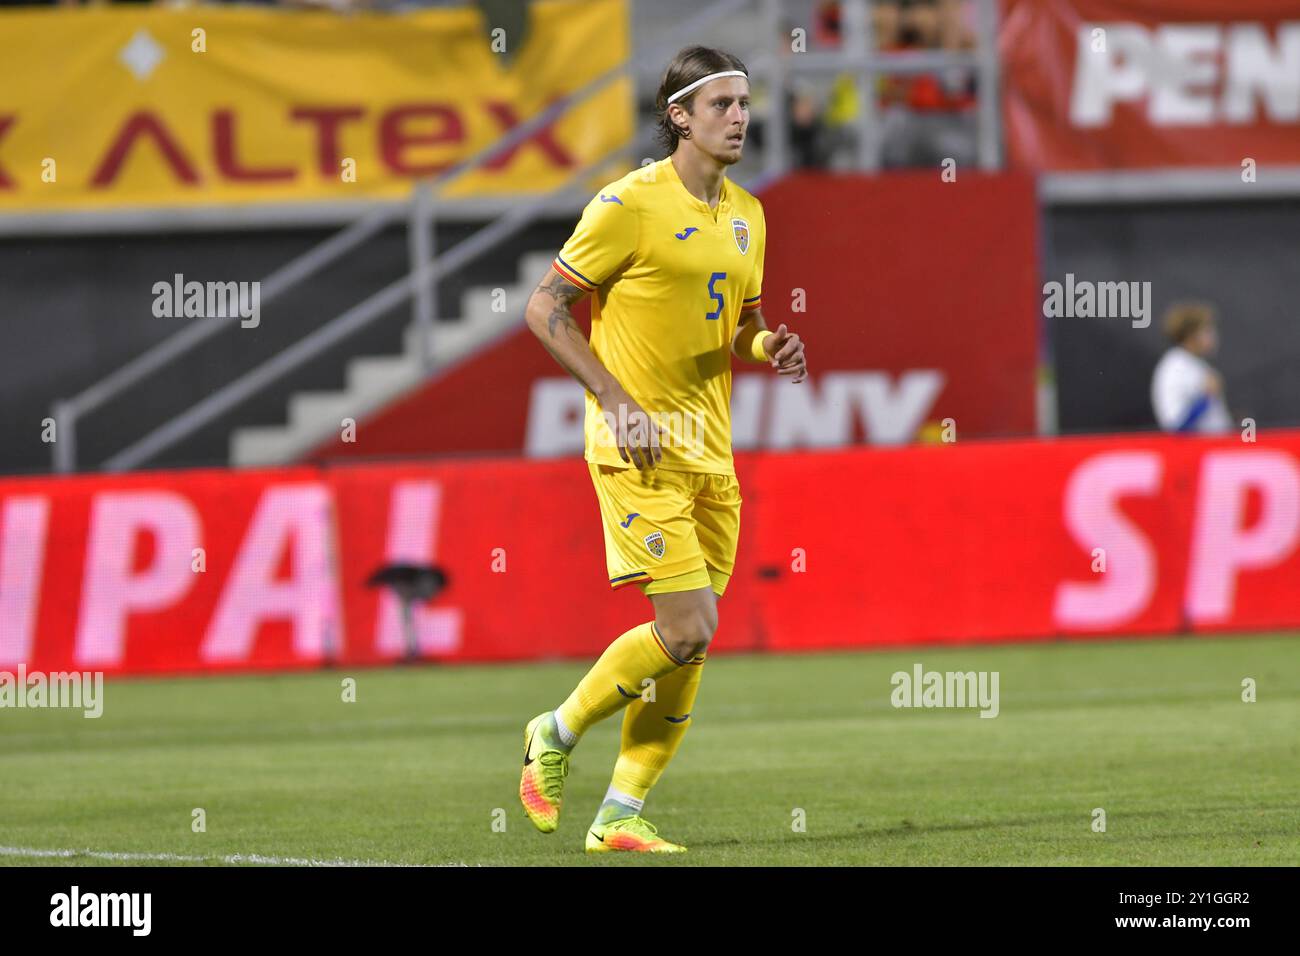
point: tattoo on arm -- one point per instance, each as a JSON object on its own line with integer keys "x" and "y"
{"x": 564, "y": 295}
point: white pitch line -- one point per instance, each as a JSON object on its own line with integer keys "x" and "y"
{"x": 254, "y": 858}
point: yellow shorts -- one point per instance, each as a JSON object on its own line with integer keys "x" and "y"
{"x": 668, "y": 530}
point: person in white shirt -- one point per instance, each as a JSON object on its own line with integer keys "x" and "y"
{"x": 1186, "y": 391}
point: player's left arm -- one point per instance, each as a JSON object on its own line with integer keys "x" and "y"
{"x": 753, "y": 340}
{"x": 782, "y": 349}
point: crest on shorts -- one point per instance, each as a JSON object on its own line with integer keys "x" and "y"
{"x": 654, "y": 543}
{"x": 740, "y": 229}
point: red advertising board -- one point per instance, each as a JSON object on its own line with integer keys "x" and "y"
{"x": 976, "y": 541}
{"x": 853, "y": 265}
{"x": 1114, "y": 84}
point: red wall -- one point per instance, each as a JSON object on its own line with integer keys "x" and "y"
{"x": 977, "y": 541}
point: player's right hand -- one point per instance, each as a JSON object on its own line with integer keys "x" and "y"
{"x": 635, "y": 432}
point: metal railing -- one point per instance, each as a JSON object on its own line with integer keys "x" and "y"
{"x": 858, "y": 58}
{"x": 427, "y": 266}
{"x": 332, "y": 332}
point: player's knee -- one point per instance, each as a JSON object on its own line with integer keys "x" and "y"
{"x": 688, "y": 635}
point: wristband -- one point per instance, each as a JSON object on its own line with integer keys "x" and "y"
{"x": 756, "y": 346}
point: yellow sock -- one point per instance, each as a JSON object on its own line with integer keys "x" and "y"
{"x": 653, "y": 730}
{"x": 615, "y": 679}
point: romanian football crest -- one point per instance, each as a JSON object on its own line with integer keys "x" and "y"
{"x": 740, "y": 229}
{"x": 654, "y": 543}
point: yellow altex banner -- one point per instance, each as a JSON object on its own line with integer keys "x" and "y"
{"x": 129, "y": 107}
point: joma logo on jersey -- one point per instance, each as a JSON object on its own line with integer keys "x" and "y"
{"x": 654, "y": 543}
{"x": 740, "y": 229}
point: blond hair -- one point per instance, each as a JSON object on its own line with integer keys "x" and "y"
{"x": 1184, "y": 319}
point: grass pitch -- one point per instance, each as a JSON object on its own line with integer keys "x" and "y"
{"x": 421, "y": 766}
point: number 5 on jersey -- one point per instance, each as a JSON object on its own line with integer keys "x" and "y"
{"x": 715, "y": 295}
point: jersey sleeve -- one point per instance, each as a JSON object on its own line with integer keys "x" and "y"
{"x": 753, "y": 298}
{"x": 604, "y": 241}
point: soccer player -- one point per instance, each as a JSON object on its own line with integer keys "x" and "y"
{"x": 672, "y": 256}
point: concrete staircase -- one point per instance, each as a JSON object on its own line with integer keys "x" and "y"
{"x": 374, "y": 381}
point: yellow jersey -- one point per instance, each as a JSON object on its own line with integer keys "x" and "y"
{"x": 669, "y": 278}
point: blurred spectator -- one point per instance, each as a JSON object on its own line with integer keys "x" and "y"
{"x": 927, "y": 117}
{"x": 1186, "y": 391}
{"x": 810, "y": 145}
{"x": 924, "y": 118}
{"x": 806, "y": 132}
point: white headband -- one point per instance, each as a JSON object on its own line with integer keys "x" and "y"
{"x": 704, "y": 79}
